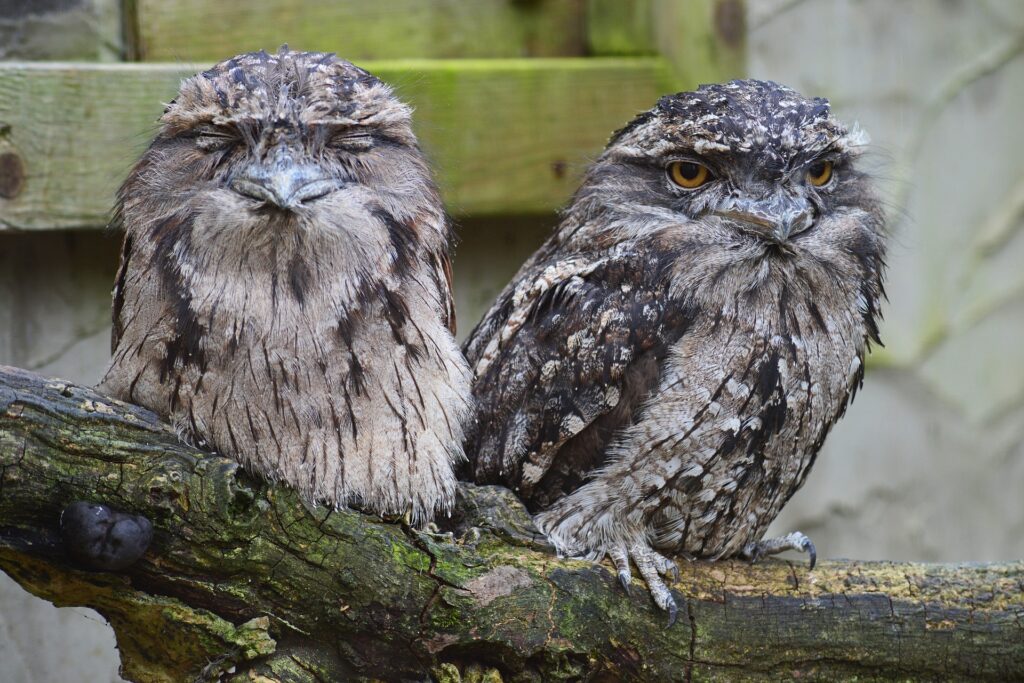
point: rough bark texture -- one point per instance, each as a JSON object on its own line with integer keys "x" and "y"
{"x": 243, "y": 581}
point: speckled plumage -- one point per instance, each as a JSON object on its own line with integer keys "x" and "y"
{"x": 284, "y": 291}
{"x": 659, "y": 376}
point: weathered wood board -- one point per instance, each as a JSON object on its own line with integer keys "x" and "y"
{"x": 506, "y": 136}
{"x": 703, "y": 40}
{"x": 201, "y": 30}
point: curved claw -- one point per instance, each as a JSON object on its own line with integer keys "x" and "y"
{"x": 626, "y": 580}
{"x": 808, "y": 546}
{"x": 652, "y": 567}
{"x": 673, "y": 611}
{"x": 620, "y": 558}
{"x": 751, "y": 552}
{"x": 772, "y": 546}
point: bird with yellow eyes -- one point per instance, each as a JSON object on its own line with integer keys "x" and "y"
{"x": 659, "y": 377}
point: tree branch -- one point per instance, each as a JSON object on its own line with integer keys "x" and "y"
{"x": 243, "y": 580}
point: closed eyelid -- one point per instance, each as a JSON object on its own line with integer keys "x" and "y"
{"x": 211, "y": 129}
{"x": 339, "y": 128}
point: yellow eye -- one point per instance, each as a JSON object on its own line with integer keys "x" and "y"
{"x": 688, "y": 174}
{"x": 819, "y": 173}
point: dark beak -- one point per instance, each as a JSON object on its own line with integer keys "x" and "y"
{"x": 284, "y": 183}
{"x": 775, "y": 219}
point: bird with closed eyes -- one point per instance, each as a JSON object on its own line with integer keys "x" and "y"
{"x": 658, "y": 378}
{"x": 284, "y": 294}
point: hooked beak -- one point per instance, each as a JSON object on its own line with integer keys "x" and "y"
{"x": 284, "y": 183}
{"x": 775, "y": 219}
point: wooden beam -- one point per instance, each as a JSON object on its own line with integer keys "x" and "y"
{"x": 704, "y": 41}
{"x": 506, "y": 136}
{"x": 620, "y": 28}
{"x": 206, "y": 30}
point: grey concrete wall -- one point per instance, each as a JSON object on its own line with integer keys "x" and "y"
{"x": 61, "y": 29}
{"x": 928, "y": 463}
{"x": 55, "y": 319}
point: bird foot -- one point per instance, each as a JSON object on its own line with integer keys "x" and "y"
{"x": 434, "y": 531}
{"x": 652, "y": 566}
{"x": 797, "y": 541}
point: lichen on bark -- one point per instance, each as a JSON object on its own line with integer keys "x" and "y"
{"x": 244, "y": 582}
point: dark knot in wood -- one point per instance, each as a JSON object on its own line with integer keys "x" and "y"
{"x": 12, "y": 175}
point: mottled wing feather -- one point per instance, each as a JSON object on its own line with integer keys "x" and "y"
{"x": 559, "y": 349}
{"x": 443, "y": 264}
{"x": 118, "y": 294}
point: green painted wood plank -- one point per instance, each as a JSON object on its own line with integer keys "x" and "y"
{"x": 201, "y": 30}
{"x": 615, "y": 27}
{"x": 506, "y": 136}
{"x": 703, "y": 40}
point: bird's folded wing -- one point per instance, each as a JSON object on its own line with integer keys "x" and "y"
{"x": 557, "y": 353}
{"x": 118, "y": 294}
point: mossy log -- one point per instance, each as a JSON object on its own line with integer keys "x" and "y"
{"x": 244, "y": 582}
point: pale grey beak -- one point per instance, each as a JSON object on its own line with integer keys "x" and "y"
{"x": 284, "y": 183}
{"x": 777, "y": 218}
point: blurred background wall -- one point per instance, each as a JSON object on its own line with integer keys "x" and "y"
{"x": 928, "y": 463}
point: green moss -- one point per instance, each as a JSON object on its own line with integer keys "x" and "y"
{"x": 358, "y": 594}
{"x": 446, "y": 673}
